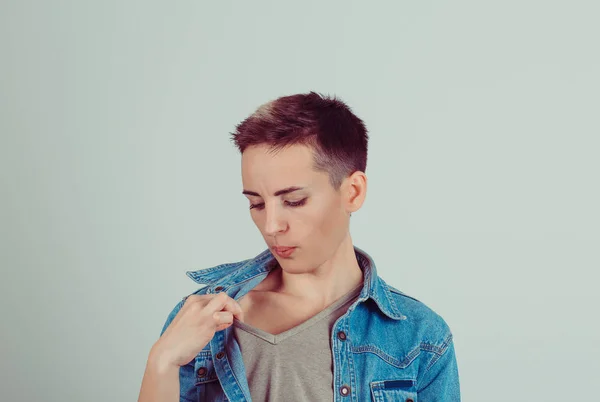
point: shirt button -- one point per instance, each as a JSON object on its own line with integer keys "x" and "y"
{"x": 409, "y": 400}
{"x": 220, "y": 355}
{"x": 342, "y": 335}
{"x": 345, "y": 390}
{"x": 218, "y": 288}
{"x": 201, "y": 371}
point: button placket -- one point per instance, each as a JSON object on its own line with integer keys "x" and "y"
{"x": 345, "y": 389}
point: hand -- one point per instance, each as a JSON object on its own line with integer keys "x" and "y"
{"x": 194, "y": 326}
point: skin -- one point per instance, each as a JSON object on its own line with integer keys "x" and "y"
{"x": 192, "y": 328}
{"x": 323, "y": 267}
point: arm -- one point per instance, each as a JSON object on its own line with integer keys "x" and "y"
{"x": 160, "y": 382}
{"x": 188, "y": 329}
{"x": 161, "y": 379}
{"x": 440, "y": 382}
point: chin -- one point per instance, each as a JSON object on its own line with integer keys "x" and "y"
{"x": 295, "y": 266}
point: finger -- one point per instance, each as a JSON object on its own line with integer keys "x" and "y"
{"x": 217, "y": 302}
{"x": 222, "y": 327}
{"x": 234, "y": 308}
{"x": 192, "y": 299}
{"x": 239, "y": 315}
{"x": 222, "y": 302}
{"x": 223, "y": 317}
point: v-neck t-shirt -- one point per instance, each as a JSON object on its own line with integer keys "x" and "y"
{"x": 295, "y": 365}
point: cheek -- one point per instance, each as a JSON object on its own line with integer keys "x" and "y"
{"x": 332, "y": 225}
{"x": 258, "y": 221}
{"x": 327, "y": 222}
{"x": 254, "y": 218}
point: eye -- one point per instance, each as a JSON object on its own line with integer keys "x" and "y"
{"x": 288, "y": 203}
{"x": 296, "y": 203}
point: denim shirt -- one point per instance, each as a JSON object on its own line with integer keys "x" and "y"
{"x": 388, "y": 346}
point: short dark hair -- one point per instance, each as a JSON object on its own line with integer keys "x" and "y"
{"x": 337, "y": 136}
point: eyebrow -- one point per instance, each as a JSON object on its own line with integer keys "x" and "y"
{"x": 277, "y": 193}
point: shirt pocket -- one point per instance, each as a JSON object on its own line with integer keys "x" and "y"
{"x": 396, "y": 390}
{"x": 206, "y": 380}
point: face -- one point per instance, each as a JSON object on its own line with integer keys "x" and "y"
{"x": 310, "y": 215}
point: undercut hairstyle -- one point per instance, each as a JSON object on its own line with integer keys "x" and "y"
{"x": 337, "y": 137}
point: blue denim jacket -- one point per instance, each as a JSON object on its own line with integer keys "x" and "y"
{"x": 395, "y": 348}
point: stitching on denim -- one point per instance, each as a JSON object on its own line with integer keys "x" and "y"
{"x": 215, "y": 268}
{"x": 232, "y": 372}
{"x": 428, "y": 347}
{"x": 440, "y": 352}
{"x": 253, "y": 275}
{"x": 201, "y": 278}
{"x": 225, "y": 281}
{"x": 346, "y": 346}
{"x": 391, "y": 301}
{"x": 376, "y": 396}
{"x": 250, "y": 278}
{"x": 220, "y": 338}
{"x": 206, "y": 359}
{"x": 237, "y": 381}
{"x": 337, "y": 368}
{"x": 240, "y": 267}
{"x": 242, "y": 264}
{"x": 378, "y": 390}
{"x": 386, "y": 357}
{"x": 200, "y": 291}
{"x": 258, "y": 260}
{"x": 381, "y": 385}
{"x": 390, "y": 309}
{"x": 212, "y": 378}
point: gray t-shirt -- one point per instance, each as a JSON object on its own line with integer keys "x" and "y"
{"x": 295, "y": 365}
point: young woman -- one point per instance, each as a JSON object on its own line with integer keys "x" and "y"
{"x": 308, "y": 319}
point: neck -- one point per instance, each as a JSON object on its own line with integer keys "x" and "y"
{"x": 326, "y": 283}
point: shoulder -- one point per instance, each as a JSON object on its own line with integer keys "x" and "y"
{"x": 423, "y": 320}
{"x": 214, "y": 276}
{"x": 206, "y": 277}
{"x": 175, "y": 310}
{"x": 230, "y": 271}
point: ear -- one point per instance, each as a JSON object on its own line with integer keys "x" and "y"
{"x": 355, "y": 191}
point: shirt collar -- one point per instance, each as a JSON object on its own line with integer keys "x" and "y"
{"x": 229, "y": 275}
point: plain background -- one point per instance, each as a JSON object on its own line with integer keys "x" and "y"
{"x": 117, "y": 175}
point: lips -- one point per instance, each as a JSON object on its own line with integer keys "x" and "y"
{"x": 283, "y": 251}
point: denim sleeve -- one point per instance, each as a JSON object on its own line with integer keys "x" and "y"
{"x": 187, "y": 389}
{"x": 172, "y": 315}
{"x": 440, "y": 382}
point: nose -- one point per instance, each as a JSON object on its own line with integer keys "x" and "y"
{"x": 274, "y": 222}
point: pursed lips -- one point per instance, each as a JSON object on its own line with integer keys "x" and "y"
{"x": 282, "y": 249}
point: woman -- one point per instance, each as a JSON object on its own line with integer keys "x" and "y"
{"x": 308, "y": 319}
